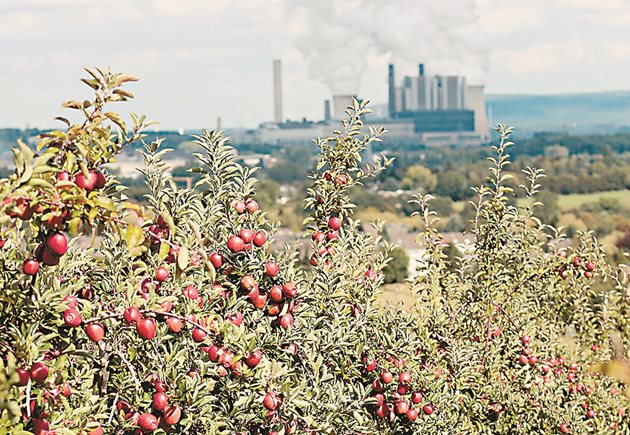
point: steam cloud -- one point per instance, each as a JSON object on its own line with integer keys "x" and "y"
{"x": 339, "y": 36}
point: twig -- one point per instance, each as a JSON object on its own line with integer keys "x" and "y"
{"x": 111, "y": 414}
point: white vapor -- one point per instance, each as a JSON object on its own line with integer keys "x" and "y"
{"x": 337, "y": 38}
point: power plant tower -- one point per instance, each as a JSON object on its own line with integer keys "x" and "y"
{"x": 392, "y": 91}
{"x": 475, "y": 101}
{"x": 277, "y": 90}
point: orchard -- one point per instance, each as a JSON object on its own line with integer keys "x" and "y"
{"x": 179, "y": 318}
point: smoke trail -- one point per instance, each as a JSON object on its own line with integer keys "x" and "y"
{"x": 339, "y": 36}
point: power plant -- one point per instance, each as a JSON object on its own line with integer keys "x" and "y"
{"x": 421, "y": 110}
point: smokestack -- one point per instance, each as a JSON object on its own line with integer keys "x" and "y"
{"x": 341, "y": 103}
{"x": 219, "y": 123}
{"x": 327, "y": 110}
{"x": 277, "y": 90}
{"x": 420, "y": 69}
{"x": 392, "y": 91}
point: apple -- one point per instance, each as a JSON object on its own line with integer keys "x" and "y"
{"x": 319, "y": 236}
{"x": 239, "y": 206}
{"x": 404, "y": 378}
{"x": 387, "y": 377}
{"x": 160, "y": 400}
{"x": 72, "y": 317}
{"x": 71, "y": 301}
{"x": 252, "y": 206}
{"x": 416, "y": 397}
{"x": 271, "y": 269}
{"x": 30, "y": 266}
{"x": 162, "y": 274}
{"x": 253, "y": 358}
{"x": 58, "y": 243}
{"x": 146, "y": 328}
{"x": 86, "y": 182}
{"x": 412, "y": 414}
{"x": 50, "y": 258}
{"x": 271, "y": 401}
{"x": 198, "y": 335}
{"x": 216, "y": 259}
{"x": 286, "y": 321}
{"x": 246, "y": 234}
{"x": 590, "y": 265}
{"x": 174, "y": 324}
{"x": 564, "y": 428}
{"x": 191, "y": 292}
{"x": 24, "y": 376}
{"x": 148, "y": 422}
{"x": 289, "y": 290}
{"x": 171, "y": 415}
{"x": 276, "y": 294}
{"x": 260, "y": 301}
{"x": 525, "y": 339}
{"x": 235, "y": 244}
{"x": 427, "y": 409}
{"x": 260, "y": 238}
{"x": 100, "y": 179}
{"x": 402, "y": 408}
{"x": 334, "y": 223}
{"x": 39, "y": 372}
{"x": 95, "y": 331}
{"x": 131, "y": 315}
{"x": 371, "y": 366}
{"x": 248, "y": 282}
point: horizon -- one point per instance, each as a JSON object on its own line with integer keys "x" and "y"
{"x": 206, "y": 61}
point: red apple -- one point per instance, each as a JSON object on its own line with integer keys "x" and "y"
{"x": 260, "y": 238}
{"x": 39, "y": 372}
{"x": 24, "y": 376}
{"x": 162, "y": 274}
{"x": 30, "y": 267}
{"x": 58, "y": 243}
{"x": 131, "y": 315}
{"x": 86, "y": 182}
{"x": 95, "y": 331}
{"x": 146, "y": 328}
{"x": 235, "y": 244}
{"x": 160, "y": 400}
{"x": 334, "y": 223}
{"x": 148, "y": 422}
{"x": 174, "y": 324}
{"x": 171, "y": 415}
{"x": 72, "y": 317}
{"x": 254, "y": 358}
{"x": 216, "y": 259}
{"x": 271, "y": 269}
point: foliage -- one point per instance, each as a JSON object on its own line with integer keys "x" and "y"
{"x": 180, "y": 319}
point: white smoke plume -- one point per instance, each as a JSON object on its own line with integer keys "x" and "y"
{"x": 337, "y": 37}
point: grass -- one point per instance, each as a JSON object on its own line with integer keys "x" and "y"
{"x": 575, "y": 200}
{"x": 396, "y": 294}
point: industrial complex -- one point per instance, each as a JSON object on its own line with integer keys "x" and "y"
{"x": 423, "y": 109}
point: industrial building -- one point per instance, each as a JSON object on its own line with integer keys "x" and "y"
{"x": 422, "y": 110}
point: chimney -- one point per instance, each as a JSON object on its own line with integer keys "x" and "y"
{"x": 341, "y": 103}
{"x": 277, "y": 90}
{"x": 327, "y": 110}
{"x": 420, "y": 69}
{"x": 392, "y": 91}
{"x": 219, "y": 123}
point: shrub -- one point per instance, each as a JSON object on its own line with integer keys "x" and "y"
{"x": 180, "y": 319}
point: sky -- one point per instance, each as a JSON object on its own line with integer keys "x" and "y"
{"x": 201, "y": 59}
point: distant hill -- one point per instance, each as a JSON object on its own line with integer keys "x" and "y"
{"x": 601, "y": 112}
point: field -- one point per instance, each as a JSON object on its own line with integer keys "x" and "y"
{"x": 568, "y": 202}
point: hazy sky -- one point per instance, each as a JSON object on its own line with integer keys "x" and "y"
{"x": 199, "y": 59}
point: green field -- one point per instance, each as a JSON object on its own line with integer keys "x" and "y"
{"x": 576, "y": 200}
{"x": 567, "y": 202}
